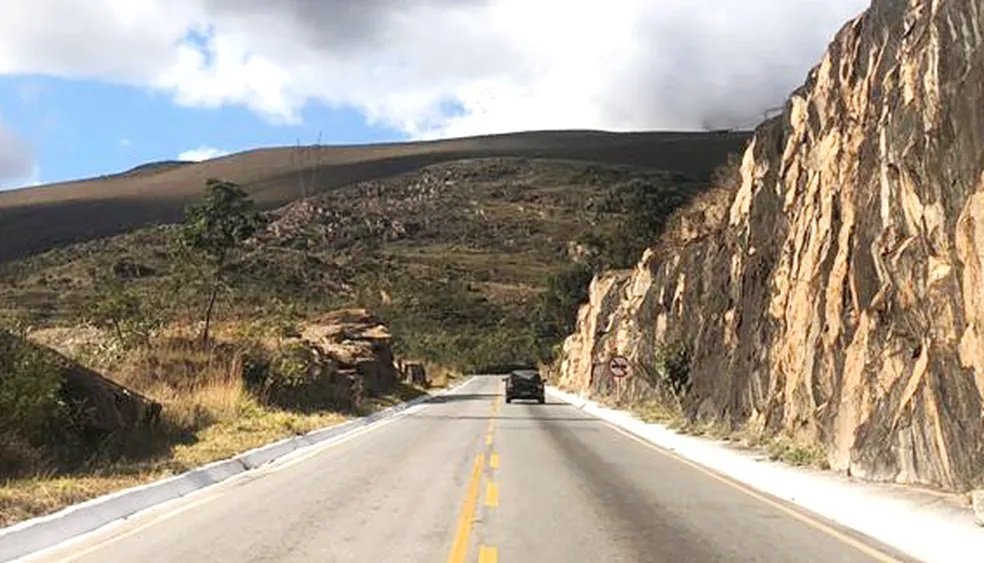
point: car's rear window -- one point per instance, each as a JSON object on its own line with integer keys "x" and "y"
{"x": 526, "y": 374}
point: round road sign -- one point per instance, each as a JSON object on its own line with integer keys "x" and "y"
{"x": 619, "y": 366}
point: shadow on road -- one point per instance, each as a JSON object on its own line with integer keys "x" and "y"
{"x": 503, "y": 418}
{"x": 462, "y": 397}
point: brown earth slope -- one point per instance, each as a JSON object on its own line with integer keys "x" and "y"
{"x": 87, "y": 209}
{"x": 837, "y": 296}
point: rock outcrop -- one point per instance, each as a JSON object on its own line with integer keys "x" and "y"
{"x": 837, "y": 295}
{"x": 337, "y": 361}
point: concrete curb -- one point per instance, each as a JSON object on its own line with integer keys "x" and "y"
{"x": 28, "y": 537}
{"x": 922, "y": 524}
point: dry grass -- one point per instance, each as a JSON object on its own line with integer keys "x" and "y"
{"x": 207, "y": 415}
{"x": 657, "y": 411}
{"x": 441, "y": 376}
{"x": 253, "y": 427}
{"x": 27, "y": 498}
{"x": 777, "y": 448}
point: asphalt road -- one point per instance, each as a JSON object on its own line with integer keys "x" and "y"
{"x": 469, "y": 478}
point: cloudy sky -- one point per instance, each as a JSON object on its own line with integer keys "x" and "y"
{"x": 89, "y": 87}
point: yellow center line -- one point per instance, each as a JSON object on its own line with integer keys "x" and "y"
{"x": 491, "y": 494}
{"x": 494, "y": 461}
{"x": 488, "y": 439}
{"x": 487, "y": 554}
{"x": 459, "y": 549}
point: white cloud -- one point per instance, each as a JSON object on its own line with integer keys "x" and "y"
{"x": 125, "y": 142}
{"x": 202, "y": 153}
{"x": 29, "y": 181}
{"x": 18, "y": 166}
{"x": 442, "y": 67}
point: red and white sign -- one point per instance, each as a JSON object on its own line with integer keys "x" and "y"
{"x": 619, "y": 366}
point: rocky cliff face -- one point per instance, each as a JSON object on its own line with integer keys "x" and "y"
{"x": 837, "y": 295}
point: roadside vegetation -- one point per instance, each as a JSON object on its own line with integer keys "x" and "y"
{"x": 211, "y": 409}
{"x": 221, "y": 387}
{"x": 485, "y": 260}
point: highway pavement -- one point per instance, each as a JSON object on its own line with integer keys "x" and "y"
{"x": 467, "y": 477}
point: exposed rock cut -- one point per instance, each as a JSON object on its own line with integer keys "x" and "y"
{"x": 837, "y": 296}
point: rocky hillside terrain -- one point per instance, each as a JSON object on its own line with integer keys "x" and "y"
{"x": 455, "y": 258}
{"x": 834, "y": 294}
{"x": 157, "y": 193}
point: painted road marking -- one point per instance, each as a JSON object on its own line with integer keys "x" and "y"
{"x": 491, "y": 494}
{"x": 488, "y": 439}
{"x": 117, "y": 530}
{"x": 206, "y": 495}
{"x": 804, "y": 518}
{"x": 459, "y": 549}
{"x": 487, "y": 554}
{"x": 494, "y": 461}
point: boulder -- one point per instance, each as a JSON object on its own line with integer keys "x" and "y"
{"x": 337, "y": 361}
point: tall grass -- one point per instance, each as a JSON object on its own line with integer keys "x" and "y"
{"x": 208, "y": 414}
{"x": 196, "y": 385}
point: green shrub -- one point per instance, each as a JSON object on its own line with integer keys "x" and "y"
{"x": 669, "y": 374}
{"x": 646, "y": 206}
{"x": 131, "y": 318}
{"x": 29, "y": 390}
{"x": 787, "y": 451}
{"x": 556, "y": 314}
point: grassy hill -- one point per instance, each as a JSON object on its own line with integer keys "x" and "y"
{"x": 456, "y": 256}
{"x": 157, "y": 194}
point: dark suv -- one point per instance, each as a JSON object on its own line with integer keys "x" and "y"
{"x": 525, "y": 384}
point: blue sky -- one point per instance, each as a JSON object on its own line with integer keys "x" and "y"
{"x": 83, "y": 128}
{"x": 90, "y": 87}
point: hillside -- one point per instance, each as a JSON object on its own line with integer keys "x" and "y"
{"x": 455, "y": 256}
{"x": 157, "y": 194}
{"x": 831, "y": 298}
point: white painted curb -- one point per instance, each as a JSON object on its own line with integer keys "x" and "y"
{"x": 924, "y": 525}
{"x": 31, "y": 536}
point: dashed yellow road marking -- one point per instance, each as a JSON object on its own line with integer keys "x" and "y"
{"x": 491, "y": 494}
{"x": 459, "y": 549}
{"x": 488, "y": 439}
{"x": 494, "y": 461}
{"x": 487, "y": 554}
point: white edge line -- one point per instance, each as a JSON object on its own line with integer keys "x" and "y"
{"x": 303, "y": 448}
{"x": 926, "y": 534}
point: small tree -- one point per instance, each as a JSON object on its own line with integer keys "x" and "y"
{"x": 125, "y": 312}
{"x": 215, "y": 229}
